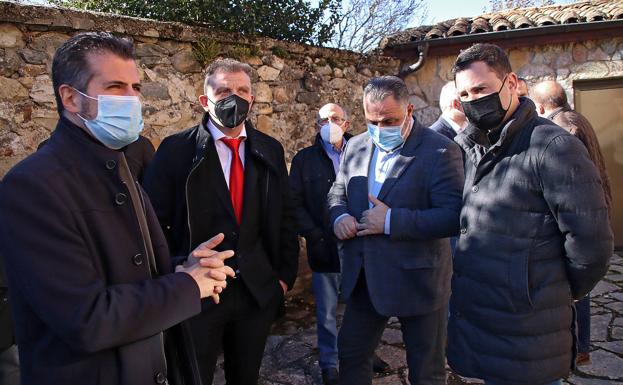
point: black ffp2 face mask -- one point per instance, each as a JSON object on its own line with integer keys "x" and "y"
{"x": 486, "y": 113}
{"x": 231, "y": 111}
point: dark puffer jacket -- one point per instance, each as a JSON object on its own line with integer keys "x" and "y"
{"x": 534, "y": 235}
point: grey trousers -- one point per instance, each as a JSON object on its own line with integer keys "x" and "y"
{"x": 424, "y": 337}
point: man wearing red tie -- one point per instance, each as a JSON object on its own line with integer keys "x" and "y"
{"x": 224, "y": 176}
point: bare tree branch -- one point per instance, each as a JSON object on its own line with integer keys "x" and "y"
{"x": 365, "y": 22}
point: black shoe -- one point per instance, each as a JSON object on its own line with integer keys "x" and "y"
{"x": 378, "y": 365}
{"x": 330, "y": 376}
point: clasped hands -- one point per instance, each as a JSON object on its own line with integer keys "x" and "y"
{"x": 207, "y": 267}
{"x": 372, "y": 222}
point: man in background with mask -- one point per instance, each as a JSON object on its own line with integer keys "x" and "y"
{"x": 394, "y": 203}
{"x": 535, "y": 233}
{"x": 312, "y": 173}
{"x": 90, "y": 277}
{"x": 224, "y": 176}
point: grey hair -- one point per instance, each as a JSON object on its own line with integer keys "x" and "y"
{"x": 381, "y": 87}
{"x": 228, "y": 66}
{"x": 346, "y": 114}
{"x": 447, "y": 96}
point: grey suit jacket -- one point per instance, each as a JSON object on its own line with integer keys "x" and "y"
{"x": 407, "y": 272}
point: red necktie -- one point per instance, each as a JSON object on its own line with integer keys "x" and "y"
{"x": 236, "y": 176}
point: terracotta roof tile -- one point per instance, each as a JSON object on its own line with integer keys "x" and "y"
{"x": 516, "y": 18}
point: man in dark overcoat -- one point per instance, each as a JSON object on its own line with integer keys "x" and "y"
{"x": 90, "y": 277}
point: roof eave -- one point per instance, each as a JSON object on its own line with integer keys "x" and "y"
{"x": 551, "y": 34}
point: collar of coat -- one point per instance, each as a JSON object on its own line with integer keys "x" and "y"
{"x": 318, "y": 140}
{"x": 82, "y": 145}
{"x": 473, "y": 138}
{"x": 557, "y": 111}
{"x": 258, "y": 144}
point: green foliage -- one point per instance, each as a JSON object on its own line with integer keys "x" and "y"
{"x": 281, "y": 52}
{"x": 242, "y": 51}
{"x": 205, "y": 50}
{"x": 292, "y": 20}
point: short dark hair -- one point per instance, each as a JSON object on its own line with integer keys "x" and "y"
{"x": 492, "y": 55}
{"x": 70, "y": 65}
{"x": 381, "y": 87}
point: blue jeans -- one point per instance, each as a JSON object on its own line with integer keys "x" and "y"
{"x": 326, "y": 288}
{"x": 557, "y": 382}
{"x": 583, "y": 310}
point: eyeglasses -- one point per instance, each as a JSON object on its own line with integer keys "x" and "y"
{"x": 333, "y": 119}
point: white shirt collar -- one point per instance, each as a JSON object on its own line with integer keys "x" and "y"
{"x": 218, "y": 134}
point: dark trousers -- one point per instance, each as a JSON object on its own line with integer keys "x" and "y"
{"x": 362, "y": 327}
{"x": 583, "y": 311}
{"x": 238, "y": 327}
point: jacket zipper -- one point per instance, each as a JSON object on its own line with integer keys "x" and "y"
{"x": 190, "y": 231}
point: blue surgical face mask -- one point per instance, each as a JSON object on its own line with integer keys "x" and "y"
{"x": 387, "y": 138}
{"x": 119, "y": 120}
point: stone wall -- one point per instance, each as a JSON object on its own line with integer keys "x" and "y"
{"x": 561, "y": 62}
{"x": 292, "y": 81}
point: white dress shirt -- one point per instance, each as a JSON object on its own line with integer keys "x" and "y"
{"x": 224, "y": 153}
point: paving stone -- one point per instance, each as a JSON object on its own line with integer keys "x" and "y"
{"x": 600, "y": 300}
{"x": 604, "y": 364}
{"x": 612, "y": 346}
{"x": 616, "y": 296}
{"x": 616, "y": 306}
{"x": 393, "y": 379}
{"x": 617, "y": 334}
{"x": 604, "y": 287}
{"x": 575, "y": 380}
{"x": 392, "y": 336}
{"x": 599, "y": 327}
{"x": 395, "y": 357}
{"x": 615, "y": 277}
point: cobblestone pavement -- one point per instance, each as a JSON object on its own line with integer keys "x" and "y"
{"x": 291, "y": 356}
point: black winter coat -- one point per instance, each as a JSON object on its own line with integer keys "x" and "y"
{"x": 311, "y": 177}
{"x": 535, "y": 235}
{"x": 85, "y": 307}
{"x": 171, "y": 179}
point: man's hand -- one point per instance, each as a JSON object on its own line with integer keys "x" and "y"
{"x": 373, "y": 220}
{"x": 345, "y": 228}
{"x": 284, "y": 287}
{"x": 207, "y": 267}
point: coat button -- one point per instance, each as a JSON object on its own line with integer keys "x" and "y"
{"x": 111, "y": 164}
{"x": 234, "y": 234}
{"x": 463, "y": 230}
{"x": 475, "y": 189}
{"x": 160, "y": 378}
{"x": 137, "y": 259}
{"x": 120, "y": 198}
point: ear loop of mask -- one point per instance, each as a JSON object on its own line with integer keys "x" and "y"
{"x": 500, "y": 90}
{"x": 86, "y": 96}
